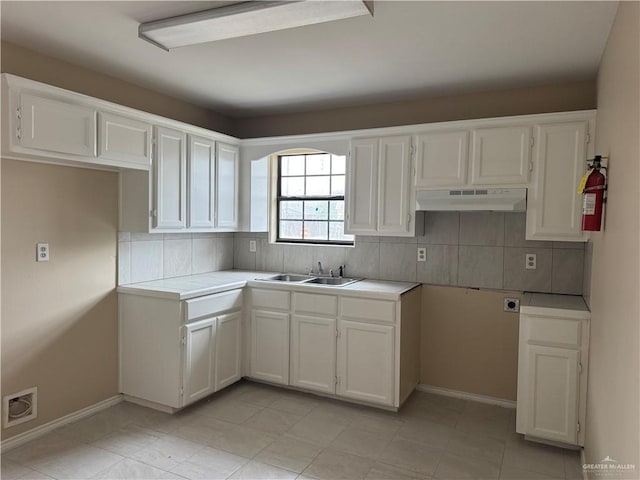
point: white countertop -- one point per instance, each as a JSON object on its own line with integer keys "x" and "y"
{"x": 550, "y": 304}
{"x": 190, "y": 286}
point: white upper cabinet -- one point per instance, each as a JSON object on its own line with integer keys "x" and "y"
{"x": 362, "y": 194}
{"x": 379, "y": 190}
{"x": 227, "y": 176}
{"x": 554, "y": 206}
{"x": 394, "y": 185}
{"x": 55, "y": 126}
{"x": 202, "y": 169}
{"x": 442, "y": 159}
{"x": 170, "y": 170}
{"x": 501, "y": 155}
{"x": 124, "y": 140}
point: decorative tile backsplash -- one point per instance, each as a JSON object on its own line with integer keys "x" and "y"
{"x": 152, "y": 256}
{"x": 471, "y": 249}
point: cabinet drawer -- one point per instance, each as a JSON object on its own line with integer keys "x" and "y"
{"x": 213, "y": 304}
{"x": 554, "y": 331}
{"x": 367, "y": 309}
{"x": 270, "y": 299}
{"x": 319, "y": 304}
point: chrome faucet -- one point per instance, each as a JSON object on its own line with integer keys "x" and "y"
{"x": 320, "y": 270}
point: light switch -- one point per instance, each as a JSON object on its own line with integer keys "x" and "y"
{"x": 42, "y": 252}
{"x": 252, "y": 246}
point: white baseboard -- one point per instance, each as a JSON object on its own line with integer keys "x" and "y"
{"x": 467, "y": 396}
{"x": 39, "y": 431}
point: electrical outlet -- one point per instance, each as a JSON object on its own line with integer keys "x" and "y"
{"x": 511, "y": 304}
{"x": 530, "y": 261}
{"x": 42, "y": 252}
{"x": 252, "y": 246}
{"x": 422, "y": 254}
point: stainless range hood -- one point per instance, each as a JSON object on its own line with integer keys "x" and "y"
{"x": 462, "y": 200}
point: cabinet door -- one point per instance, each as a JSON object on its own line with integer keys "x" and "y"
{"x": 554, "y": 206}
{"x": 199, "y": 364}
{"x": 442, "y": 159}
{"x": 552, "y": 393}
{"x": 228, "y": 349}
{"x": 202, "y": 168}
{"x": 501, "y": 156}
{"x": 270, "y": 346}
{"x": 394, "y": 186}
{"x": 361, "y": 196}
{"x": 125, "y": 140}
{"x": 366, "y": 362}
{"x": 313, "y": 353}
{"x": 170, "y": 179}
{"x": 227, "y": 159}
{"x": 56, "y": 126}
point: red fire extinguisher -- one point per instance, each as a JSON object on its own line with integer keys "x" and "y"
{"x": 593, "y": 196}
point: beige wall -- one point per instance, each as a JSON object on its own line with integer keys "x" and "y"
{"x": 59, "y": 319}
{"x": 613, "y": 402}
{"x": 42, "y": 68}
{"x": 468, "y": 343}
{"x": 543, "y": 99}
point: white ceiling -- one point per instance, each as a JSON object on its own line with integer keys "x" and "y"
{"x": 407, "y": 50}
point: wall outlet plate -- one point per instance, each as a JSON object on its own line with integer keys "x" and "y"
{"x": 530, "y": 261}
{"x": 422, "y": 254}
{"x": 42, "y": 252}
{"x": 511, "y": 304}
{"x": 252, "y": 246}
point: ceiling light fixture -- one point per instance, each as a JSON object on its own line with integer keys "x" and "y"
{"x": 247, "y": 18}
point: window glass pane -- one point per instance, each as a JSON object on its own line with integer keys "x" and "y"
{"x": 316, "y": 230}
{"x": 336, "y": 210}
{"x": 338, "y": 164}
{"x": 337, "y": 185}
{"x": 336, "y": 232}
{"x": 316, "y": 210}
{"x": 319, "y": 164}
{"x": 292, "y": 187}
{"x": 289, "y": 229}
{"x": 291, "y": 210}
{"x": 293, "y": 165}
{"x": 318, "y": 186}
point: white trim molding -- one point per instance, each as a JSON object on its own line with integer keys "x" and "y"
{"x": 39, "y": 431}
{"x": 502, "y": 402}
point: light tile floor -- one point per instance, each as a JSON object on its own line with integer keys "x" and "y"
{"x": 252, "y": 431}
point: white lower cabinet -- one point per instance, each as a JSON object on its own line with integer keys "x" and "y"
{"x": 270, "y": 346}
{"x": 228, "y": 348}
{"x": 199, "y": 359}
{"x": 353, "y": 347}
{"x": 313, "y": 353}
{"x": 552, "y": 369}
{"x": 366, "y": 361}
{"x": 173, "y": 353}
{"x": 552, "y": 393}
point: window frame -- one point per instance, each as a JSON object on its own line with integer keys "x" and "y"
{"x": 322, "y": 198}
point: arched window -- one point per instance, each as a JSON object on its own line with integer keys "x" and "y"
{"x": 310, "y": 199}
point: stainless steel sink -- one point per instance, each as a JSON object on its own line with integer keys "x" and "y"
{"x": 333, "y": 281}
{"x": 309, "y": 280}
{"x": 285, "y": 277}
